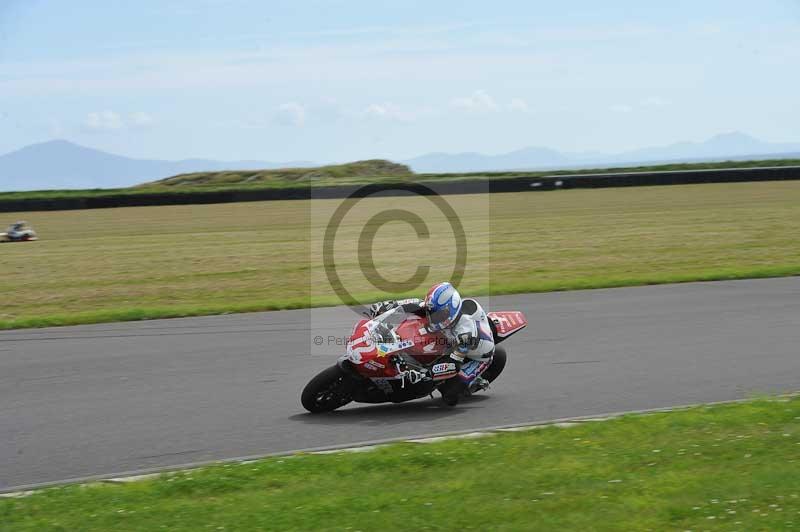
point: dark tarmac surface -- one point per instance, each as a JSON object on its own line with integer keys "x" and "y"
{"x": 112, "y": 398}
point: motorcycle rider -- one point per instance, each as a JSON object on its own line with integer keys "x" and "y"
{"x": 466, "y": 327}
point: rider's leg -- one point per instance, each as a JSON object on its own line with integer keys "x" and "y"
{"x": 461, "y": 384}
{"x": 472, "y": 370}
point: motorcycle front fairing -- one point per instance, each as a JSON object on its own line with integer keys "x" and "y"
{"x": 381, "y": 360}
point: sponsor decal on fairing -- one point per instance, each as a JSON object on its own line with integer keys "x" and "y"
{"x": 444, "y": 370}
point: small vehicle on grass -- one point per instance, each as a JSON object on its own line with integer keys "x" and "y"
{"x": 393, "y": 364}
{"x": 19, "y": 232}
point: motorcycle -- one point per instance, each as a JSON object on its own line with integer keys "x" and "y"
{"x": 19, "y": 232}
{"x": 396, "y": 364}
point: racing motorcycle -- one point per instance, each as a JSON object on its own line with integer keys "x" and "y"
{"x": 395, "y": 364}
{"x": 19, "y": 232}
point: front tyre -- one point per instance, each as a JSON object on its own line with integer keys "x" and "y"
{"x": 327, "y": 391}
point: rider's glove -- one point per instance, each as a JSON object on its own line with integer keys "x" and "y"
{"x": 457, "y": 358}
{"x": 467, "y": 342}
{"x": 376, "y": 309}
{"x": 373, "y": 309}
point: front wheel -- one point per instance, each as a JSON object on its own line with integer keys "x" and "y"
{"x": 327, "y": 391}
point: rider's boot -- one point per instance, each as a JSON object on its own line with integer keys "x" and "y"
{"x": 478, "y": 384}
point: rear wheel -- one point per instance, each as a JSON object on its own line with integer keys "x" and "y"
{"x": 497, "y": 365}
{"x": 327, "y": 391}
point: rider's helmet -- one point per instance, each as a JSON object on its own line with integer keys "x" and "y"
{"x": 443, "y": 305}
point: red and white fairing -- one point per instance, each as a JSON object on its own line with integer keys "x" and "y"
{"x": 371, "y": 358}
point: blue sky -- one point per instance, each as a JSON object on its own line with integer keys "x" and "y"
{"x": 342, "y": 80}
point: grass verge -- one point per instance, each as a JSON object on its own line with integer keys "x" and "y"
{"x": 141, "y": 314}
{"x": 139, "y": 263}
{"x": 719, "y": 467}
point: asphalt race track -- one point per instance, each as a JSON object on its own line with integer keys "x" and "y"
{"x": 104, "y": 399}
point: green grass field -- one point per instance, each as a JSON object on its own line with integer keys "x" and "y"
{"x": 725, "y": 467}
{"x": 145, "y": 262}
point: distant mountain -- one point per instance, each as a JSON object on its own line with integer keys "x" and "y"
{"x": 723, "y": 145}
{"x": 720, "y": 147}
{"x": 60, "y": 164}
{"x": 477, "y": 162}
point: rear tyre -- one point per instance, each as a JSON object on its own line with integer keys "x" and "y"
{"x": 498, "y": 363}
{"x": 327, "y": 391}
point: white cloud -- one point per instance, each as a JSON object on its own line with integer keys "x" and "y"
{"x": 479, "y": 101}
{"x": 104, "y": 121}
{"x": 621, "y": 108}
{"x": 112, "y": 121}
{"x": 482, "y": 102}
{"x": 390, "y": 111}
{"x": 140, "y": 119}
{"x": 519, "y": 105}
{"x": 655, "y": 101}
{"x": 291, "y": 114}
{"x": 378, "y": 110}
